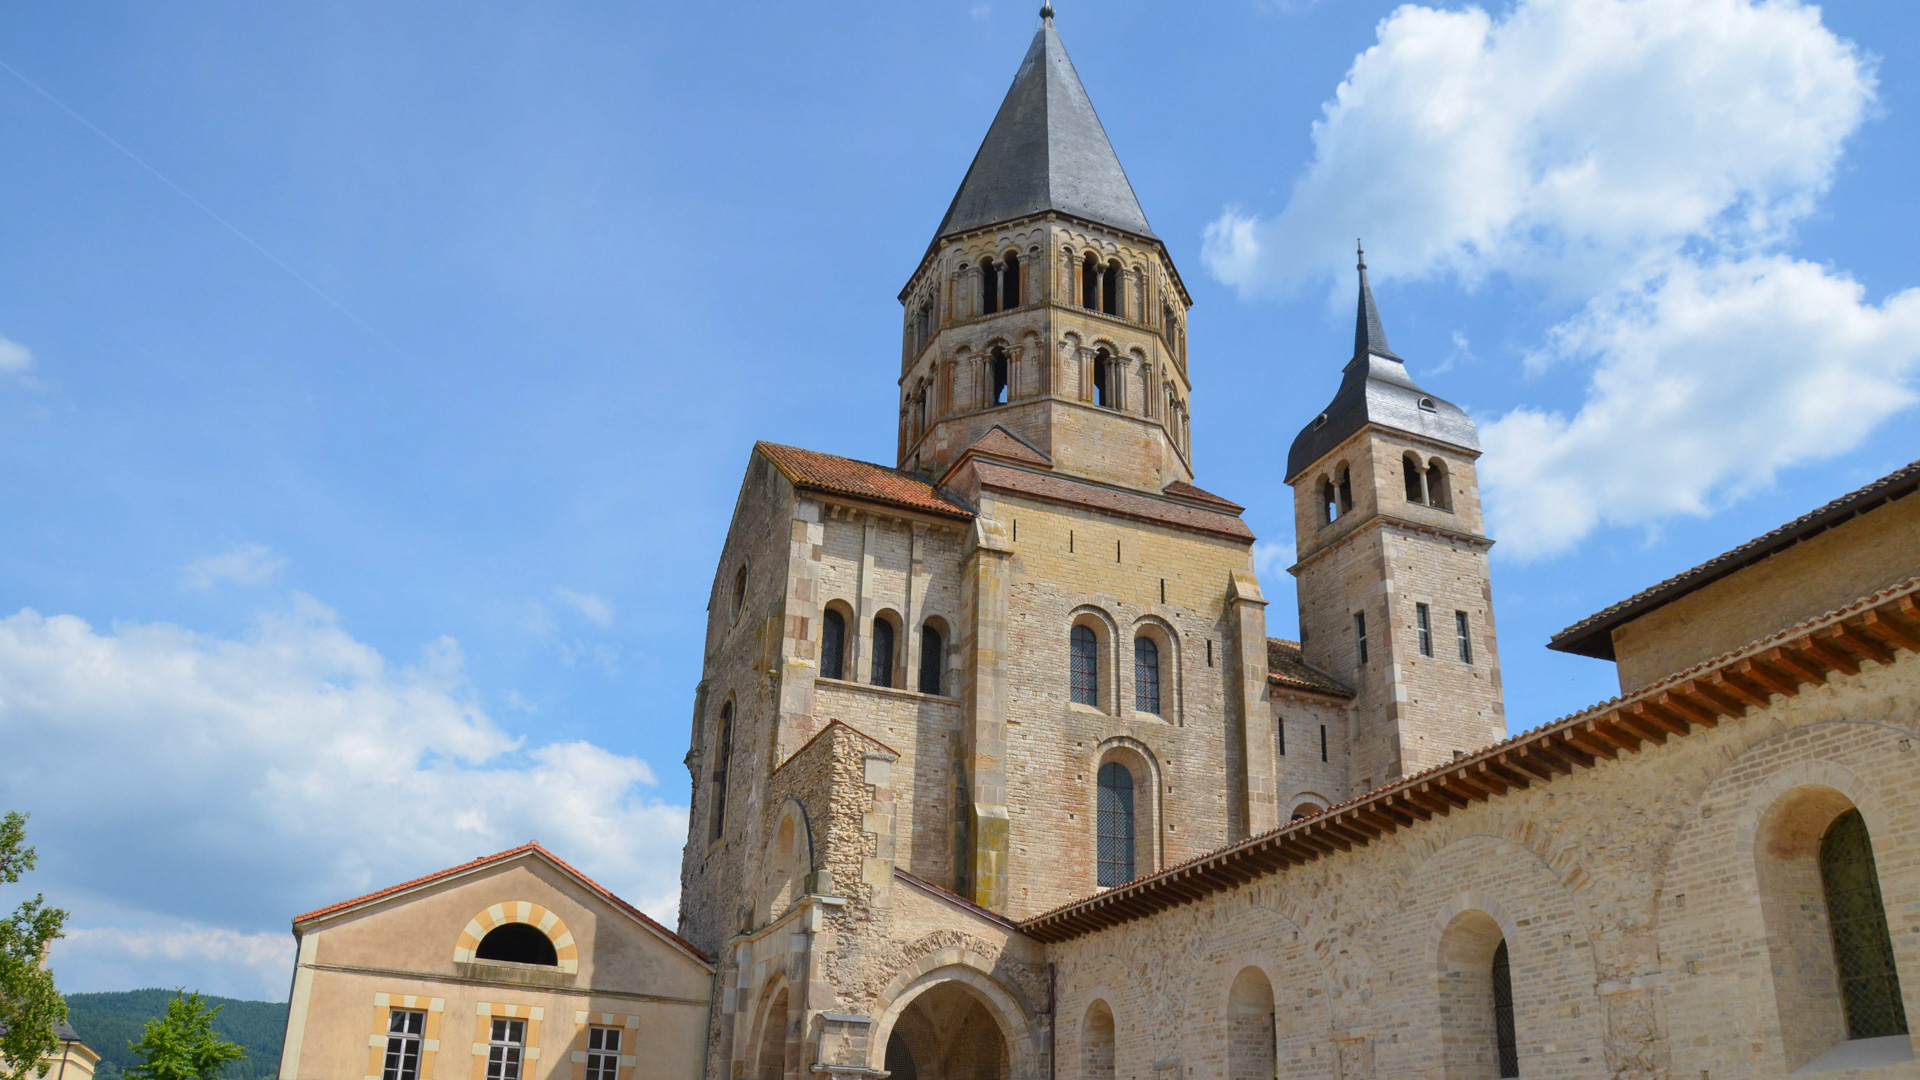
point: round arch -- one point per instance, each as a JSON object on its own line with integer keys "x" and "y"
{"x": 969, "y": 972}
{"x": 519, "y": 911}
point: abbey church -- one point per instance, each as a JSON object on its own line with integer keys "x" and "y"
{"x": 997, "y": 774}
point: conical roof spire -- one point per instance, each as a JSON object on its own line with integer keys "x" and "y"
{"x": 1369, "y": 336}
{"x": 1046, "y": 150}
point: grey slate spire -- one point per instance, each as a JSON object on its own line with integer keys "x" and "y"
{"x": 1375, "y": 388}
{"x": 1045, "y": 151}
{"x": 1368, "y": 335}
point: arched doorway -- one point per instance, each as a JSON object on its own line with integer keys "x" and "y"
{"x": 948, "y": 1032}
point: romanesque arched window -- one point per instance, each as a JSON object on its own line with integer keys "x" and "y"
{"x": 1146, "y": 675}
{"x": 833, "y": 645}
{"x": 1115, "y": 825}
{"x": 1862, "y": 948}
{"x": 1329, "y": 508}
{"x": 989, "y": 287}
{"x": 933, "y": 660}
{"x": 518, "y": 943}
{"x": 1416, "y": 483}
{"x": 1090, "y": 283}
{"x": 1103, "y": 379}
{"x": 739, "y": 589}
{"x": 1345, "y": 485}
{"x": 1506, "y": 1046}
{"x": 1439, "y": 488}
{"x": 1110, "y": 289}
{"x": 1085, "y": 672}
{"x": 882, "y": 652}
{"x": 723, "y": 752}
{"x": 1000, "y": 376}
{"x": 1251, "y": 1027}
{"x": 1010, "y": 282}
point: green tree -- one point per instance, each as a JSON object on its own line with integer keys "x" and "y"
{"x": 29, "y": 1005}
{"x": 182, "y": 1045}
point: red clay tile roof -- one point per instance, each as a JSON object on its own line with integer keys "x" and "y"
{"x": 860, "y": 479}
{"x": 1138, "y": 505}
{"x": 1180, "y": 489}
{"x": 1593, "y": 635}
{"x": 1001, "y": 443}
{"x": 1286, "y": 667}
{"x": 530, "y": 847}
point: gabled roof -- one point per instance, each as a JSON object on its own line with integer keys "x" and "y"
{"x": 1593, "y": 635}
{"x": 1376, "y": 389}
{"x": 1046, "y": 150}
{"x": 813, "y": 470}
{"x": 1001, "y": 445}
{"x": 1180, "y": 489}
{"x": 1286, "y": 667}
{"x": 528, "y": 849}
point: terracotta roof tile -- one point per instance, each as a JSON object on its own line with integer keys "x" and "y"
{"x": 860, "y": 479}
{"x": 1137, "y": 505}
{"x": 1001, "y": 443}
{"x": 531, "y": 847}
{"x": 1180, "y": 489}
{"x": 1286, "y": 667}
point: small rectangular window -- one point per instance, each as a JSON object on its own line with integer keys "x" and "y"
{"x": 1425, "y": 623}
{"x": 1323, "y": 742}
{"x": 1466, "y": 638}
{"x": 505, "y": 1048}
{"x": 404, "y": 1027}
{"x": 1360, "y": 637}
{"x": 603, "y": 1053}
{"x": 1283, "y": 738}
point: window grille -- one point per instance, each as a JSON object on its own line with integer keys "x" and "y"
{"x": 404, "y": 1027}
{"x": 603, "y": 1053}
{"x": 1086, "y": 666}
{"x": 1146, "y": 675}
{"x": 933, "y": 660}
{"x": 1116, "y": 825}
{"x": 1505, "y": 1044}
{"x": 882, "y": 653}
{"x": 1466, "y": 638}
{"x": 1861, "y": 946}
{"x": 1425, "y": 623}
{"x": 833, "y": 646}
{"x": 505, "y": 1049}
{"x": 1360, "y": 636}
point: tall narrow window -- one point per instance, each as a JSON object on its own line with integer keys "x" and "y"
{"x": 833, "y": 646}
{"x": 1439, "y": 489}
{"x": 505, "y": 1047}
{"x": 1116, "y": 825}
{"x": 1110, "y": 289}
{"x": 1360, "y": 637}
{"x": 1146, "y": 675}
{"x": 1323, "y": 742}
{"x": 1010, "y": 282}
{"x": 1102, "y": 380}
{"x": 1090, "y": 283}
{"x": 1416, "y": 487}
{"x": 404, "y": 1028}
{"x": 1424, "y": 622}
{"x": 1086, "y": 666}
{"x": 1329, "y": 509}
{"x": 1861, "y": 946}
{"x": 1281, "y": 726}
{"x": 1346, "y": 490}
{"x": 989, "y": 288}
{"x": 933, "y": 660}
{"x": 739, "y": 590}
{"x": 1506, "y": 1046}
{"x": 722, "y": 752}
{"x": 882, "y": 652}
{"x": 603, "y": 1053}
{"x": 1466, "y": 638}
{"x": 1001, "y": 389}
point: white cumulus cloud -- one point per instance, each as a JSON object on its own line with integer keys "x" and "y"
{"x": 214, "y": 785}
{"x": 252, "y": 565}
{"x": 1645, "y": 162}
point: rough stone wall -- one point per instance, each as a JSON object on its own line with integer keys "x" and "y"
{"x": 1630, "y": 895}
{"x": 1816, "y": 575}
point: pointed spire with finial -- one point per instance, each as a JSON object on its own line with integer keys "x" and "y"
{"x": 1368, "y": 335}
{"x": 1046, "y": 12}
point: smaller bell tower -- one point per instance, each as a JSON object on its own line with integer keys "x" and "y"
{"x": 1395, "y": 594}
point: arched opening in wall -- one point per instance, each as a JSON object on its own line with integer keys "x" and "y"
{"x": 989, "y": 287}
{"x": 1305, "y": 810}
{"x": 1110, "y": 289}
{"x": 899, "y": 1061}
{"x": 1096, "y": 1043}
{"x": 517, "y": 943}
{"x": 1344, "y": 484}
{"x": 1084, "y": 665}
{"x": 1146, "y": 675}
{"x": 739, "y": 589}
{"x": 1116, "y": 837}
{"x": 933, "y": 657}
{"x": 1477, "y": 1036}
{"x": 1329, "y": 505}
{"x": 999, "y": 378}
{"x": 1090, "y": 283}
{"x": 1251, "y": 1027}
{"x": 1010, "y": 282}
{"x": 833, "y": 641}
{"x": 1439, "y": 485}
{"x": 722, "y": 760}
{"x": 1103, "y": 379}
{"x": 1415, "y": 480}
{"x": 771, "y": 1060}
{"x": 1827, "y": 937}
{"x": 885, "y": 640}
{"x": 949, "y": 1033}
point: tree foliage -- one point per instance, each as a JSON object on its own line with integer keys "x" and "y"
{"x": 182, "y": 1044}
{"x": 29, "y": 1005}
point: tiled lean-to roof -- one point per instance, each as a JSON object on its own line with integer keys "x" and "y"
{"x": 1286, "y": 667}
{"x": 813, "y": 470}
{"x": 1593, "y": 635}
{"x": 1875, "y": 628}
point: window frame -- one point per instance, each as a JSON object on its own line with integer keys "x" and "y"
{"x": 1360, "y": 638}
{"x": 506, "y": 1048}
{"x": 1423, "y": 624}
{"x": 1463, "y": 626}
{"x": 1083, "y": 665}
{"x": 1148, "y": 676}
{"x": 603, "y": 1061}
{"x": 401, "y": 1040}
{"x": 1116, "y": 832}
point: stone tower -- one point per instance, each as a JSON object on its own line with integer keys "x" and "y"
{"x": 1045, "y": 304}
{"x": 1391, "y": 564}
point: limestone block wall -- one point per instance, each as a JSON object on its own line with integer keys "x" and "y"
{"x": 1447, "y": 703}
{"x": 1300, "y": 774}
{"x": 925, "y": 731}
{"x": 1634, "y": 898}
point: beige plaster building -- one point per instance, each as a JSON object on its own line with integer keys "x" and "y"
{"x": 998, "y": 776}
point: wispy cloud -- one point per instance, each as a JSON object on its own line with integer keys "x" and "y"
{"x": 15, "y": 358}
{"x": 592, "y": 607}
{"x": 252, "y": 565}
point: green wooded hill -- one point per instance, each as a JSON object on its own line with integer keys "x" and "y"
{"x": 108, "y": 1022}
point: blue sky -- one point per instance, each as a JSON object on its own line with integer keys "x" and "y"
{"x": 375, "y": 380}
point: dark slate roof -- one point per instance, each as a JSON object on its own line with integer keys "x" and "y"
{"x": 1287, "y": 667}
{"x": 1045, "y": 151}
{"x": 1593, "y": 635}
{"x": 1377, "y": 390}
